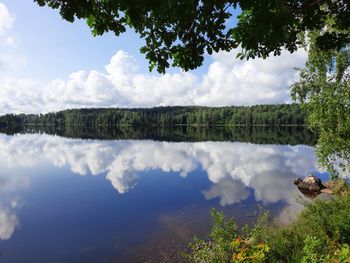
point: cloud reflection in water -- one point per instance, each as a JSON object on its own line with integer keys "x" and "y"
{"x": 231, "y": 167}
{"x": 10, "y": 201}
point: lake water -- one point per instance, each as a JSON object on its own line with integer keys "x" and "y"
{"x": 107, "y": 195}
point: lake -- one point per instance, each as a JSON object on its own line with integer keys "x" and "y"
{"x": 124, "y": 195}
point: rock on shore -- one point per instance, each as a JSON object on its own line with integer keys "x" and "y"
{"x": 312, "y": 186}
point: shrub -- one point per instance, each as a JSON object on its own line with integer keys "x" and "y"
{"x": 224, "y": 244}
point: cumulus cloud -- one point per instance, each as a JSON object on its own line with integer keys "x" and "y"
{"x": 228, "y": 81}
{"x": 240, "y": 82}
{"x": 16, "y": 95}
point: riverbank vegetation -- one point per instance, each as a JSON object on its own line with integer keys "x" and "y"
{"x": 321, "y": 233}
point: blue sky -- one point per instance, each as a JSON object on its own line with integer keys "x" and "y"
{"x": 47, "y": 39}
{"x": 48, "y": 64}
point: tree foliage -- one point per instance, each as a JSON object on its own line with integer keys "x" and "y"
{"x": 324, "y": 91}
{"x": 179, "y": 33}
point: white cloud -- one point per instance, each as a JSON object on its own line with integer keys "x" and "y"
{"x": 240, "y": 82}
{"x": 228, "y": 81}
{"x": 20, "y": 95}
{"x": 10, "y": 58}
{"x": 6, "y": 19}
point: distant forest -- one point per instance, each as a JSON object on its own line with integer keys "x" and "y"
{"x": 258, "y": 115}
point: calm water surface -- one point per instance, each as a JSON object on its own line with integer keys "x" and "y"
{"x": 93, "y": 200}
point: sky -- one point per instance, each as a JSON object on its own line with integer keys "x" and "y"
{"x": 48, "y": 64}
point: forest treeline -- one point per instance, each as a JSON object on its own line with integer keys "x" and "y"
{"x": 265, "y": 115}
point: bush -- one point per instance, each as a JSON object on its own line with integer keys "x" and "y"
{"x": 313, "y": 250}
{"x": 224, "y": 244}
